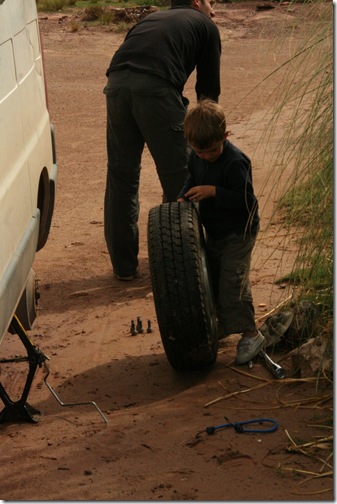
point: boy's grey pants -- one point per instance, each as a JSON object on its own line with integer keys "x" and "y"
{"x": 140, "y": 108}
{"x": 229, "y": 263}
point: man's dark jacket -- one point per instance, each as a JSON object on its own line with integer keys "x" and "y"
{"x": 171, "y": 44}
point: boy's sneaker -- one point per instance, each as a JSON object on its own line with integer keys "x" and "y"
{"x": 248, "y": 348}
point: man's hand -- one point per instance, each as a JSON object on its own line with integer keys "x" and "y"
{"x": 199, "y": 193}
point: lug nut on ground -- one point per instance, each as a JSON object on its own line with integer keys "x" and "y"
{"x": 138, "y": 327}
{"x": 133, "y": 328}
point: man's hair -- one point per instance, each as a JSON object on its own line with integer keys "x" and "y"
{"x": 176, "y": 3}
{"x": 205, "y": 124}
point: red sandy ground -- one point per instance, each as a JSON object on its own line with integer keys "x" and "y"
{"x": 148, "y": 449}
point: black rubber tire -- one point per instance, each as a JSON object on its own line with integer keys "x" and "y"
{"x": 182, "y": 292}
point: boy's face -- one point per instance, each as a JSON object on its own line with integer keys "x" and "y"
{"x": 211, "y": 153}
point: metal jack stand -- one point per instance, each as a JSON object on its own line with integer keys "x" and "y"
{"x": 21, "y": 411}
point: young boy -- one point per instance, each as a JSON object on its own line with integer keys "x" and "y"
{"x": 220, "y": 181}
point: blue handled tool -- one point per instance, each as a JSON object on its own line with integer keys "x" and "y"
{"x": 240, "y": 426}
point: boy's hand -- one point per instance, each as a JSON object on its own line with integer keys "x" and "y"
{"x": 199, "y": 193}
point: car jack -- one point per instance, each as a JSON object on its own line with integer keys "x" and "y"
{"x": 21, "y": 411}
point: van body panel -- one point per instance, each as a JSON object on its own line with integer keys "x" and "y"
{"x": 28, "y": 165}
{"x": 14, "y": 277}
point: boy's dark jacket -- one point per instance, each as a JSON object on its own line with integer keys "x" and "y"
{"x": 234, "y": 208}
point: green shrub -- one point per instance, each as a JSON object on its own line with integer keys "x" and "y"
{"x": 51, "y": 5}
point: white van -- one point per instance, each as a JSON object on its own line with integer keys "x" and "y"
{"x": 28, "y": 166}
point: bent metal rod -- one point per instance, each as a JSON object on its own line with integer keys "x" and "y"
{"x": 74, "y": 403}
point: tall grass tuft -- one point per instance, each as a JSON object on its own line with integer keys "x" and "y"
{"x": 305, "y": 152}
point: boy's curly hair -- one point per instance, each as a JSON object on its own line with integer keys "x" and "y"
{"x": 205, "y": 124}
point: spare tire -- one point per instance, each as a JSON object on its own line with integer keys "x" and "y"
{"x": 182, "y": 292}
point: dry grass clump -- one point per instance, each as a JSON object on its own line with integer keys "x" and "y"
{"x": 318, "y": 451}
